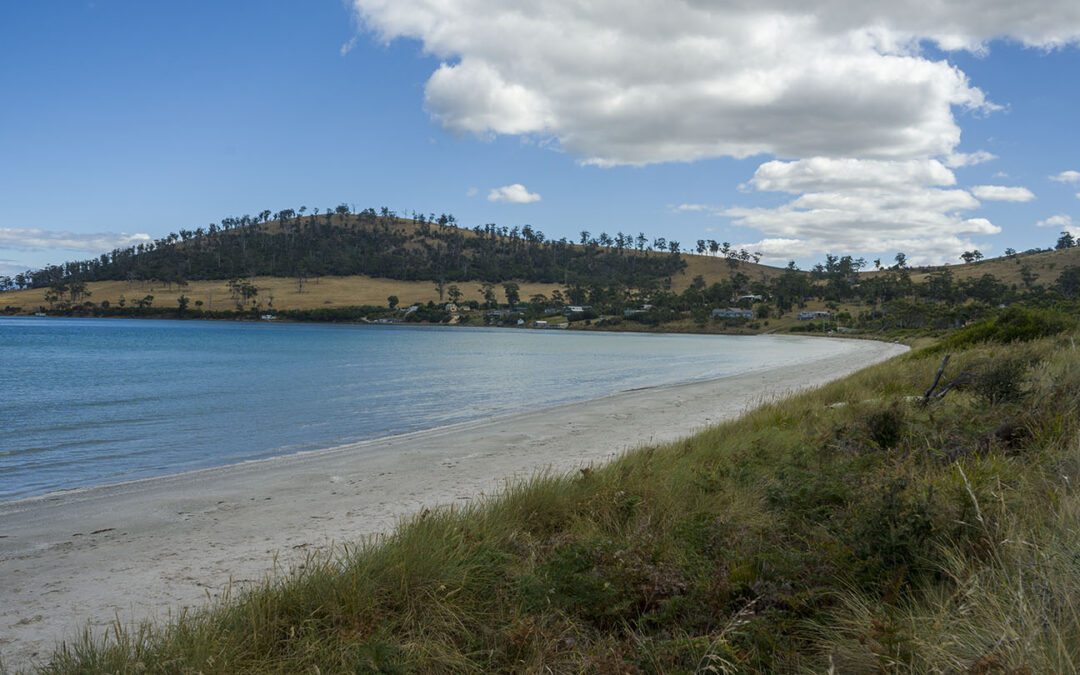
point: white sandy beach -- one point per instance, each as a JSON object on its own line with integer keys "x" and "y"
{"x": 140, "y": 550}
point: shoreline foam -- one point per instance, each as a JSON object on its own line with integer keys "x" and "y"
{"x": 140, "y": 549}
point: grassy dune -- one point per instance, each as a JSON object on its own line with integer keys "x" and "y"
{"x": 851, "y": 529}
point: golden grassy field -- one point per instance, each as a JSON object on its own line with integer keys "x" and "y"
{"x": 274, "y": 292}
{"x": 1046, "y": 265}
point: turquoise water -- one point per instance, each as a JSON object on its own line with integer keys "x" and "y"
{"x": 94, "y": 401}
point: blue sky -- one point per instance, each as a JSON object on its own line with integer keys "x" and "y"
{"x": 790, "y": 131}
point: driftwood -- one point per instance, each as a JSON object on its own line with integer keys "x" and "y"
{"x": 937, "y": 378}
{"x": 935, "y": 394}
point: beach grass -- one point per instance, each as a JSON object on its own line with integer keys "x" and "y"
{"x": 860, "y": 527}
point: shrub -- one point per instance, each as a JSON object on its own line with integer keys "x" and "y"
{"x": 891, "y": 529}
{"x": 885, "y": 426}
{"x": 1002, "y": 381}
{"x": 1016, "y": 324}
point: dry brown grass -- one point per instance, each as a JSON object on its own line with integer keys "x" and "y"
{"x": 716, "y": 269}
{"x": 276, "y": 292}
{"x": 1047, "y": 265}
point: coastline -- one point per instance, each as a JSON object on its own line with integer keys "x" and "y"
{"x": 141, "y": 549}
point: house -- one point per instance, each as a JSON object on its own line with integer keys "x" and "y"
{"x": 732, "y": 313}
{"x": 751, "y": 298}
{"x": 814, "y": 315}
{"x": 640, "y": 310}
{"x": 540, "y": 324}
{"x": 576, "y": 309}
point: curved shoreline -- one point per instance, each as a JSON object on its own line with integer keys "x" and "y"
{"x": 214, "y": 445}
{"x": 142, "y": 548}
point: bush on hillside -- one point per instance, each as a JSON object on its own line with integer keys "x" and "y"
{"x": 1015, "y": 324}
{"x": 1003, "y": 380}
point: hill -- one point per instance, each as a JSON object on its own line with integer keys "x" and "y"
{"x": 370, "y": 244}
{"x": 1042, "y": 267}
{"x": 341, "y": 266}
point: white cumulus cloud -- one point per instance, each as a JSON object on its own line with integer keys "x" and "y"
{"x": 679, "y": 81}
{"x": 820, "y": 173}
{"x": 843, "y": 86}
{"x": 513, "y": 194}
{"x": 1060, "y": 220}
{"x": 1002, "y": 193}
{"x": 1067, "y": 177}
{"x": 863, "y": 205}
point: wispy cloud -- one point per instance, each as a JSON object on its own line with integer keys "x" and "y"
{"x": 958, "y": 160}
{"x": 97, "y": 242}
{"x": 1070, "y": 176}
{"x": 11, "y": 267}
{"x": 513, "y": 194}
{"x": 697, "y": 208}
{"x": 1002, "y": 193}
{"x": 348, "y": 46}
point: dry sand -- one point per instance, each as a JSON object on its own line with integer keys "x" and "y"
{"x": 147, "y": 548}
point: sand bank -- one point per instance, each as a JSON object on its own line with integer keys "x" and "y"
{"x": 142, "y": 549}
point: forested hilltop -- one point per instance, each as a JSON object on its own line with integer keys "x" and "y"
{"x": 377, "y": 244}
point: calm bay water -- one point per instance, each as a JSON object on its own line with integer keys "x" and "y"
{"x": 94, "y": 401}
